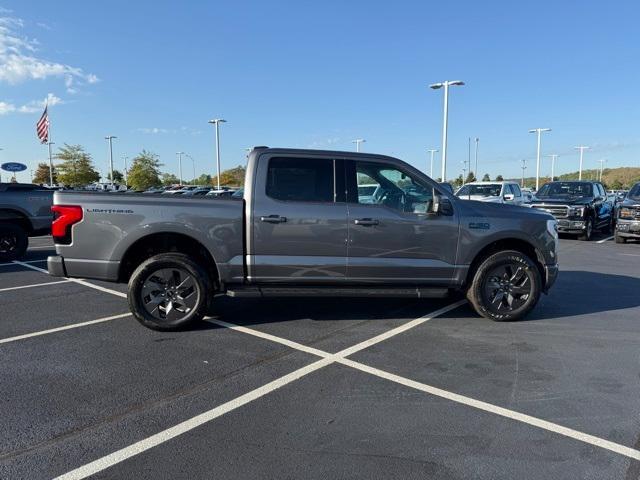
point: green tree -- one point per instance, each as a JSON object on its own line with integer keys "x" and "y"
{"x": 232, "y": 177}
{"x": 471, "y": 177}
{"x": 458, "y": 181}
{"x": 76, "y": 168}
{"x": 42, "y": 174}
{"x": 203, "y": 179}
{"x": 486, "y": 178}
{"x": 118, "y": 177}
{"x": 499, "y": 178}
{"x": 170, "y": 179}
{"x": 144, "y": 172}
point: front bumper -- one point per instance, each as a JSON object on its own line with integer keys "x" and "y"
{"x": 628, "y": 228}
{"x": 550, "y": 276}
{"x": 571, "y": 226}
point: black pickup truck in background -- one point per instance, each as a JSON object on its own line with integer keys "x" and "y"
{"x": 25, "y": 211}
{"x": 628, "y": 221}
{"x": 581, "y": 207}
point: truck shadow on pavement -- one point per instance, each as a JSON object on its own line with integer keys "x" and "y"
{"x": 575, "y": 293}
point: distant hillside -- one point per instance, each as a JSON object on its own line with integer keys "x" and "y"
{"x": 612, "y": 178}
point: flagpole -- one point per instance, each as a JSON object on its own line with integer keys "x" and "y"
{"x": 49, "y": 143}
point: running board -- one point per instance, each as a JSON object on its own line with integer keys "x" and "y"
{"x": 403, "y": 292}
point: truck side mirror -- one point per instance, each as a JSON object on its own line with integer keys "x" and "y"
{"x": 509, "y": 196}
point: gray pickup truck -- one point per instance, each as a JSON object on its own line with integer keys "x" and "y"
{"x": 304, "y": 229}
{"x": 25, "y": 211}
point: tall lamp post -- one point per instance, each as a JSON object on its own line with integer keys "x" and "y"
{"x": 179, "y": 154}
{"x": 217, "y": 122}
{"x": 582, "y": 148}
{"x": 602, "y": 162}
{"x": 445, "y": 122}
{"x": 538, "y": 131}
{"x": 110, "y": 138}
{"x": 126, "y": 168}
{"x": 358, "y": 141}
{"x": 476, "y": 154}
{"x": 523, "y": 167}
{"x": 432, "y": 151}
{"x": 193, "y": 165}
{"x": 553, "y": 157}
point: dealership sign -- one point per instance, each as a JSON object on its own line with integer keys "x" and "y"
{"x": 13, "y": 167}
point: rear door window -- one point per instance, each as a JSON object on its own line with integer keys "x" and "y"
{"x": 301, "y": 179}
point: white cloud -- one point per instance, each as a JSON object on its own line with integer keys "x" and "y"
{"x": 154, "y": 130}
{"x": 34, "y": 106}
{"x": 19, "y": 60}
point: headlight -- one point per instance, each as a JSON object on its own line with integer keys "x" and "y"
{"x": 552, "y": 228}
{"x": 626, "y": 213}
{"x": 577, "y": 211}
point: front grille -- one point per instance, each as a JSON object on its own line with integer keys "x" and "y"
{"x": 558, "y": 211}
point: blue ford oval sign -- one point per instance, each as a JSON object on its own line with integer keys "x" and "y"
{"x": 13, "y": 167}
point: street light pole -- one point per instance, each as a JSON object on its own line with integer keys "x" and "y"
{"x": 432, "y": 151}
{"x": 477, "y": 173}
{"x": 109, "y": 138}
{"x": 553, "y": 157}
{"x": 582, "y": 148}
{"x": 523, "y": 167}
{"x": 445, "y": 121}
{"x": 602, "y": 162}
{"x": 179, "y": 154}
{"x": 358, "y": 141}
{"x": 217, "y": 122}
{"x": 126, "y": 175}
{"x": 539, "y": 132}
{"x": 50, "y": 164}
{"x": 193, "y": 165}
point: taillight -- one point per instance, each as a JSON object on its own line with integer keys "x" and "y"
{"x": 64, "y": 216}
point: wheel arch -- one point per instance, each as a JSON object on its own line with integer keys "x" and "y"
{"x": 16, "y": 217}
{"x": 166, "y": 242}
{"x": 517, "y": 244}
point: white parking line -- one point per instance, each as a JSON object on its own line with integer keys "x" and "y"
{"x": 423, "y": 387}
{"x": 33, "y": 285}
{"x": 606, "y": 239}
{"x": 26, "y": 261}
{"x": 76, "y": 280}
{"x": 60, "y": 329}
{"x": 42, "y": 247}
{"x": 172, "y": 432}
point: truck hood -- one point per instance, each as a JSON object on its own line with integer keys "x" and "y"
{"x": 492, "y": 209}
{"x": 480, "y": 198}
{"x": 562, "y": 201}
{"x": 628, "y": 202}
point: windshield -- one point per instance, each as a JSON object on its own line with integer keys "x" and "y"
{"x": 488, "y": 190}
{"x": 634, "y": 193}
{"x": 565, "y": 189}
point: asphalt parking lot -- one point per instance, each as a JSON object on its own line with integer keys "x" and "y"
{"x": 311, "y": 388}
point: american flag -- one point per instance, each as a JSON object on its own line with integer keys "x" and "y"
{"x": 42, "y": 127}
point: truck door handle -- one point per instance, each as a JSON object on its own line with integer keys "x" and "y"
{"x": 273, "y": 219}
{"x": 366, "y": 222}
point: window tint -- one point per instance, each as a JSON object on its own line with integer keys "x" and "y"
{"x": 300, "y": 179}
{"x": 380, "y": 184}
{"x": 516, "y": 190}
{"x": 507, "y": 190}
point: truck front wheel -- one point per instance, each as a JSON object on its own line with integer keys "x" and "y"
{"x": 169, "y": 291}
{"x": 506, "y": 286}
{"x": 13, "y": 242}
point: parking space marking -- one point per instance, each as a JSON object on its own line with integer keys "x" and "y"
{"x": 605, "y": 239}
{"x": 423, "y": 387}
{"x": 65, "y": 327}
{"x": 183, "y": 427}
{"x": 630, "y": 254}
{"x": 26, "y": 261}
{"x": 33, "y": 285}
{"x": 43, "y": 247}
{"x": 76, "y": 280}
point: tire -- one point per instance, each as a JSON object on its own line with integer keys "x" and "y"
{"x": 620, "y": 239}
{"x": 510, "y": 277}
{"x": 588, "y": 232}
{"x": 13, "y": 242}
{"x": 156, "y": 299}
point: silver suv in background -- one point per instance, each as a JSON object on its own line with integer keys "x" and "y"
{"x": 492, "y": 192}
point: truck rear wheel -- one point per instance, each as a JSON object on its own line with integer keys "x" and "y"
{"x": 13, "y": 242}
{"x": 506, "y": 286}
{"x": 169, "y": 291}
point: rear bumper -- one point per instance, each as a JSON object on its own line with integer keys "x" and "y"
{"x": 550, "y": 276}
{"x": 58, "y": 266}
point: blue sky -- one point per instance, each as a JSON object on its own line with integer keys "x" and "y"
{"x": 320, "y": 74}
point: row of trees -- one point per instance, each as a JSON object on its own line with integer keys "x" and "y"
{"x": 75, "y": 168}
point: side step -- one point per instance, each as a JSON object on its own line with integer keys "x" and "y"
{"x": 282, "y": 291}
